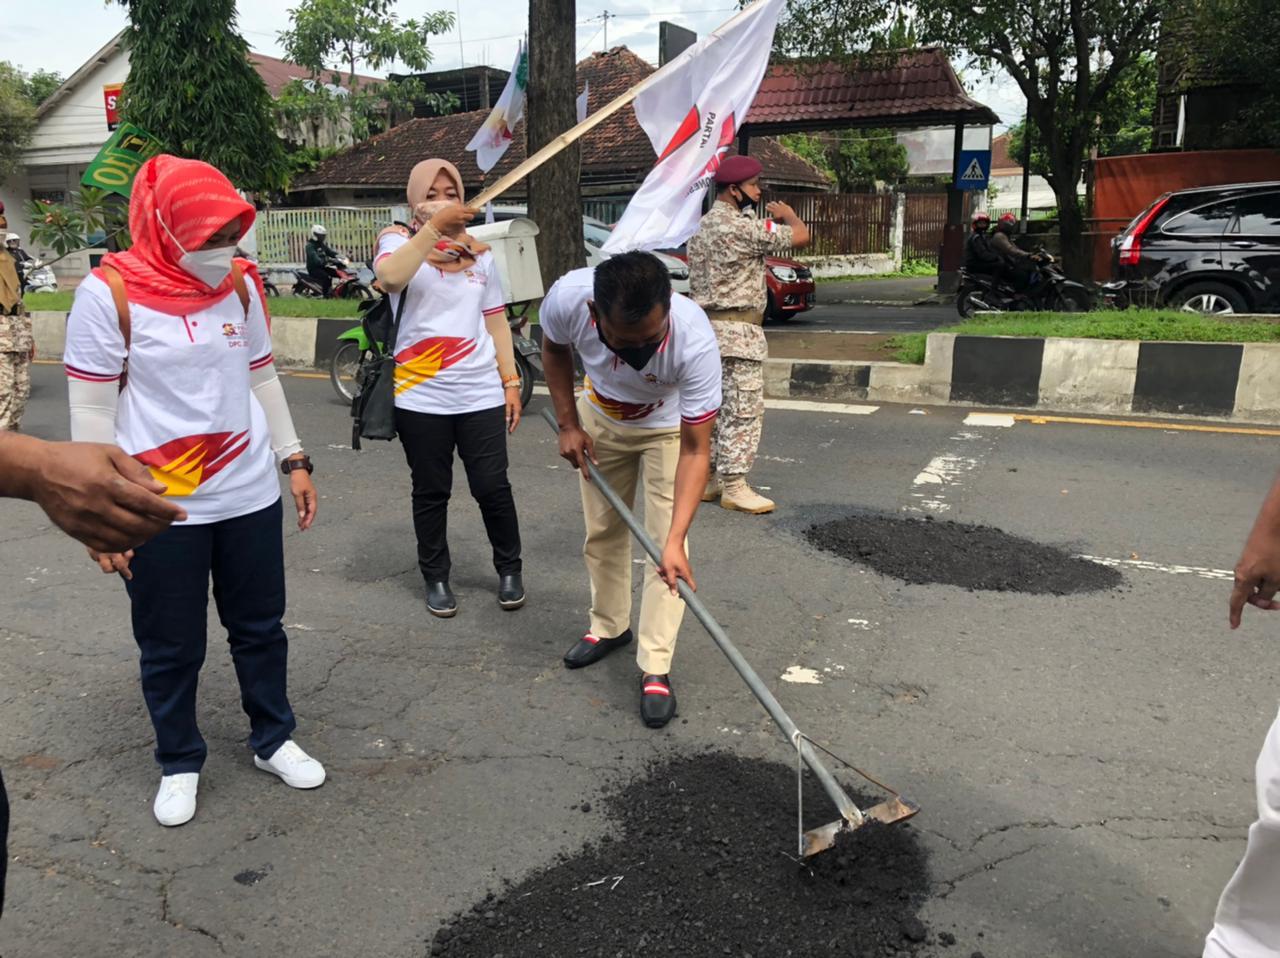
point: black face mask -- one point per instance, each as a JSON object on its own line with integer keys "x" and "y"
{"x": 745, "y": 202}
{"x": 637, "y": 357}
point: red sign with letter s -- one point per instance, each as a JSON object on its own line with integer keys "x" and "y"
{"x": 111, "y": 95}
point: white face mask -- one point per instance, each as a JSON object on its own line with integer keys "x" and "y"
{"x": 210, "y": 266}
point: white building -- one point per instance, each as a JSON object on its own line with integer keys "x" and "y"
{"x": 71, "y": 127}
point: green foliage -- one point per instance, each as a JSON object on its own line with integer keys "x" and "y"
{"x": 75, "y": 224}
{"x": 359, "y": 34}
{"x": 1124, "y": 124}
{"x": 1237, "y": 41}
{"x": 41, "y": 84}
{"x": 304, "y": 159}
{"x": 17, "y": 119}
{"x": 191, "y": 84}
{"x": 1066, "y": 58}
{"x": 811, "y": 149}
{"x": 855, "y": 160}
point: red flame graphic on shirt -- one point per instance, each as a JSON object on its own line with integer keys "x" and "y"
{"x": 183, "y": 465}
{"x": 617, "y": 409}
{"x": 426, "y": 359}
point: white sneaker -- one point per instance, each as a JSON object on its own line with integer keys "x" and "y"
{"x": 296, "y": 767}
{"x": 176, "y": 800}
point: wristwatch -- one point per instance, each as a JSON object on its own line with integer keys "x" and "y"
{"x": 293, "y": 465}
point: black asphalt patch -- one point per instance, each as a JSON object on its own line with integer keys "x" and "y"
{"x": 924, "y": 551}
{"x": 703, "y": 863}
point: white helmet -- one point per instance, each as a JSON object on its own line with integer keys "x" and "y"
{"x": 12, "y": 238}
{"x": 319, "y": 230}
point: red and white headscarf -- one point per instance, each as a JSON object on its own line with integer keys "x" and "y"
{"x": 194, "y": 200}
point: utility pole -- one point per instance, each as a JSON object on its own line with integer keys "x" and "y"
{"x": 1026, "y": 167}
{"x": 606, "y": 17}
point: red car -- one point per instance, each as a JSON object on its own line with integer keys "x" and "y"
{"x": 790, "y": 285}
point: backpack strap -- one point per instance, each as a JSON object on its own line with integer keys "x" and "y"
{"x": 121, "y": 298}
{"x": 242, "y": 290}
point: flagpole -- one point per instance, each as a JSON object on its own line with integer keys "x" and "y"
{"x": 570, "y": 136}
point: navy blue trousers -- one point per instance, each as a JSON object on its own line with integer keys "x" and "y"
{"x": 170, "y": 596}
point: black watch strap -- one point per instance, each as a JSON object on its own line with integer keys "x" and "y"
{"x": 293, "y": 465}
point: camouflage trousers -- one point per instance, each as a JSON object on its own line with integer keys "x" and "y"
{"x": 741, "y": 421}
{"x": 15, "y": 387}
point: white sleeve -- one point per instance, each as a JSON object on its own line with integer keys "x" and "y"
{"x": 93, "y": 410}
{"x": 493, "y": 300}
{"x": 700, "y": 384}
{"x": 258, "y": 332}
{"x": 270, "y": 394}
{"x": 388, "y": 244}
{"x": 552, "y": 318}
{"x": 95, "y": 350}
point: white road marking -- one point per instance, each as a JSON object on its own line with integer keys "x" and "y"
{"x": 947, "y": 471}
{"x": 802, "y": 676}
{"x": 805, "y": 405}
{"x": 1004, "y": 420}
{"x": 1143, "y": 565}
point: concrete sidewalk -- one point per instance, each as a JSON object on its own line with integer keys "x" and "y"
{"x": 893, "y": 290}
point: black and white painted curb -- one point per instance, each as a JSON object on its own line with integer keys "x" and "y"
{"x": 1221, "y": 380}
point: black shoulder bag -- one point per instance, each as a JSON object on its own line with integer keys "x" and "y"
{"x": 373, "y": 410}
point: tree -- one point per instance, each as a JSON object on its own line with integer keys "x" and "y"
{"x": 555, "y": 197}
{"x": 66, "y": 227}
{"x": 1237, "y": 41}
{"x": 1066, "y": 56}
{"x": 191, "y": 85}
{"x": 359, "y": 34}
{"x": 17, "y": 119}
{"x": 1124, "y": 126}
{"x": 41, "y": 84}
{"x": 855, "y": 160}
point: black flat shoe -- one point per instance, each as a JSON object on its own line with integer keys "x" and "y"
{"x": 657, "y": 700}
{"x": 510, "y": 592}
{"x": 591, "y": 649}
{"x": 440, "y": 600}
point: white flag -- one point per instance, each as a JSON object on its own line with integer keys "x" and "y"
{"x": 582, "y": 101}
{"x": 494, "y": 136}
{"x": 691, "y": 115}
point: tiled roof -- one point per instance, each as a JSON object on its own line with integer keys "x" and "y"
{"x": 276, "y": 74}
{"x": 1001, "y": 161}
{"x": 918, "y": 89}
{"x": 615, "y": 152}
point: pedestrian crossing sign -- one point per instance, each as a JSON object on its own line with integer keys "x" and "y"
{"x": 973, "y": 170}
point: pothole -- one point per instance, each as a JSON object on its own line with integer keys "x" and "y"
{"x": 925, "y": 551}
{"x": 700, "y": 863}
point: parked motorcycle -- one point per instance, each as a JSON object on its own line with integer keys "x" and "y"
{"x": 349, "y": 282}
{"x": 1048, "y": 290}
{"x": 268, "y": 287}
{"x": 354, "y": 350}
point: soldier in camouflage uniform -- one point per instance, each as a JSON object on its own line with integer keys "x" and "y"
{"x": 17, "y": 345}
{"x": 726, "y": 278}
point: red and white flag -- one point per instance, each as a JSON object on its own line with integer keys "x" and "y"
{"x": 497, "y": 131}
{"x": 691, "y": 114}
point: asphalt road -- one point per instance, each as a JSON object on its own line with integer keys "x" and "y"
{"x": 1084, "y": 764}
{"x": 861, "y": 318}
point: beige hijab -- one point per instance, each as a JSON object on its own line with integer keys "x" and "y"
{"x": 421, "y": 179}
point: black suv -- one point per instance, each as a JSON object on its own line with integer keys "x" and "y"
{"x": 1210, "y": 250}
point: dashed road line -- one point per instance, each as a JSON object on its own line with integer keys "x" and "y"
{"x": 1144, "y": 565}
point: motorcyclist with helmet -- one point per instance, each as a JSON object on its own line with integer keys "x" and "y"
{"x": 979, "y": 255}
{"x": 319, "y": 256}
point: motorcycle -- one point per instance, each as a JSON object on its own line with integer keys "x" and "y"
{"x": 268, "y": 286}
{"x": 354, "y": 350}
{"x": 349, "y": 282}
{"x": 37, "y": 277}
{"x": 1049, "y": 289}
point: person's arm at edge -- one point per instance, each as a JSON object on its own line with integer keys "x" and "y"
{"x": 1257, "y": 573}
{"x": 691, "y": 481}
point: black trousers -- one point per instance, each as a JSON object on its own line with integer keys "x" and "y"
{"x": 481, "y": 441}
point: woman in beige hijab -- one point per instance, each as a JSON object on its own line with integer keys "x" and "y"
{"x": 456, "y": 381}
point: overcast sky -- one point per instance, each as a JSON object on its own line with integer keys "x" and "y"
{"x": 62, "y": 34}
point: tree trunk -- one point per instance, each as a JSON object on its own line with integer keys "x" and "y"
{"x": 1075, "y": 258}
{"x": 555, "y": 199}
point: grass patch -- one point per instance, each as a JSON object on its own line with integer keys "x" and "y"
{"x": 51, "y": 302}
{"x": 909, "y": 270}
{"x": 1140, "y": 324}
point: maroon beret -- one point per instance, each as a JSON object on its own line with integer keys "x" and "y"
{"x": 738, "y": 169}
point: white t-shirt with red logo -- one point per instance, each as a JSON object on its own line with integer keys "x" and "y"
{"x": 681, "y": 383}
{"x": 188, "y": 411}
{"x": 446, "y": 362}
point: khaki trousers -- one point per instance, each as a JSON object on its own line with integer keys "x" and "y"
{"x": 625, "y": 454}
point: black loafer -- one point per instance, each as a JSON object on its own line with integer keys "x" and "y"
{"x": 591, "y": 649}
{"x": 510, "y": 592}
{"x": 440, "y": 600}
{"x": 657, "y": 700}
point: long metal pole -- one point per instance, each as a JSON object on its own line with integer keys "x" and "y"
{"x": 842, "y": 801}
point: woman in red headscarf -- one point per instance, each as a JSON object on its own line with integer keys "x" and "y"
{"x": 168, "y": 355}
